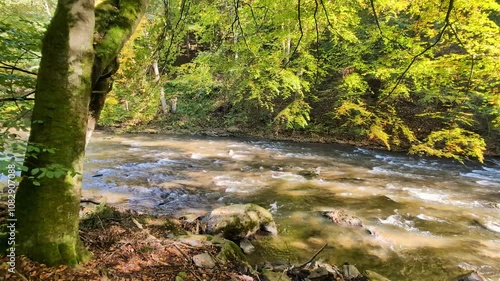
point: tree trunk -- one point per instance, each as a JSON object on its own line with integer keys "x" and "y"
{"x": 162, "y": 90}
{"x": 47, "y": 215}
{"x": 73, "y": 80}
{"x": 115, "y": 23}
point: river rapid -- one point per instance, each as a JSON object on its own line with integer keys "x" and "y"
{"x": 432, "y": 219}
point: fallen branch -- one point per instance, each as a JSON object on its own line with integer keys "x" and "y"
{"x": 313, "y": 257}
{"x": 88, "y": 200}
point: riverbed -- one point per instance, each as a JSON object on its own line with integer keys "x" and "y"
{"x": 430, "y": 219}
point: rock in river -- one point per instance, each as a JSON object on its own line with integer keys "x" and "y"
{"x": 341, "y": 217}
{"x": 471, "y": 276}
{"x": 239, "y": 221}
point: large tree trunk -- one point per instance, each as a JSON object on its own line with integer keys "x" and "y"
{"x": 47, "y": 215}
{"x": 73, "y": 80}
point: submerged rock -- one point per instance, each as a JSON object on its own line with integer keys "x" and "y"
{"x": 374, "y": 276}
{"x": 238, "y": 221}
{"x": 471, "y": 276}
{"x": 341, "y": 217}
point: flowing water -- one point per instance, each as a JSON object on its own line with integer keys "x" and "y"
{"x": 430, "y": 219}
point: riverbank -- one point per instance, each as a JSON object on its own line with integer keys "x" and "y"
{"x": 131, "y": 246}
{"x": 300, "y": 136}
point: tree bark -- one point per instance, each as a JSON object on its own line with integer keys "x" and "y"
{"x": 73, "y": 80}
{"x": 47, "y": 215}
{"x": 162, "y": 90}
{"x": 115, "y": 23}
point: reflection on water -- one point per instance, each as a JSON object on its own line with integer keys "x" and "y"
{"x": 430, "y": 219}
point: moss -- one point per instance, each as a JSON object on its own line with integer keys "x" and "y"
{"x": 230, "y": 252}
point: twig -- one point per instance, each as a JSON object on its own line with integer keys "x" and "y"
{"x": 88, "y": 200}
{"x": 21, "y": 275}
{"x": 12, "y": 67}
{"x": 313, "y": 257}
{"x": 188, "y": 260}
{"x": 137, "y": 223}
{"x": 301, "y": 34}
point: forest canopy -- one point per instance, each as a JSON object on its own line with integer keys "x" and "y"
{"x": 420, "y": 76}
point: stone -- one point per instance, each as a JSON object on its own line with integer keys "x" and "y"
{"x": 318, "y": 274}
{"x": 195, "y": 240}
{"x": 204, "y": 260}
{"x": 280, "y": 265}
{"x": 229, "y": 251}
{"x": 350, "y": 272}
{"x": 238, "y": 221}
{"x": 269, "y": 275}
{"x": 333, "y": 271}
{"x": 341, "y": 217}
{"x": 247, "y": 246}
{"x": 471, "y": 276}
{"x": 374, "y": 276}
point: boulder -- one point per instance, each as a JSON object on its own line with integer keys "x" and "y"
{"x": 350, "y": 272}
{"x": 238, "y": 221}
{"x": 318, "y": 274}
{"x": 341, "y": 217}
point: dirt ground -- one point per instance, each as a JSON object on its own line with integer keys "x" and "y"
{"x": 129, "y": 246}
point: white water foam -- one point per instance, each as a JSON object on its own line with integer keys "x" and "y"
{"x": 427, "y": 195}
{"x": 382, "y": 171}
{"x": 492, "y": 226}
{"x": 430, "y": 218}
{"x": 233, "y": 185}
{"x": 288, "y": 176}
{"x": 399, "y": 221}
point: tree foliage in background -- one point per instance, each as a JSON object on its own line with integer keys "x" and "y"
{"x": 398, "y": 73}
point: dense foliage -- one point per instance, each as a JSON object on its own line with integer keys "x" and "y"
{"x": 415, "y": 75}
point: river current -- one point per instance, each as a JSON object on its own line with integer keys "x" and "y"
{"x": 431, "y": 219}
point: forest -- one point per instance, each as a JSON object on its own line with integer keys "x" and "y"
{"x": 420, "y": 78}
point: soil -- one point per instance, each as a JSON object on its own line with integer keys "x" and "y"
{"x": 129, "y": 246}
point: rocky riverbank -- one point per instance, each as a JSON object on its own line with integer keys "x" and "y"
{"x": 131, "y": 246}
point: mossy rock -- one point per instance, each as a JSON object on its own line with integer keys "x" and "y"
{"x": 229, "y": 251}
{"x": 238, "y": 221}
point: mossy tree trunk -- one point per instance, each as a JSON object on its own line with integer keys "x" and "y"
{"x": 79, "y": 55}
{"x": 115, "y": 23}
{"x": 47, "y": 215}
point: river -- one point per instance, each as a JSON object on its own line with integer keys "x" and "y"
{"x": 432, "y": 218}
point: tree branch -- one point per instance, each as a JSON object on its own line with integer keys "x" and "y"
{"x": 237, "y": 20}
{"x": 326, "y": 14}
{"x": 440, "y": 35}
{"x": 11, "y": 67}
{"x": 317, "y": 41}
{"x": 377, "y": 22}
{"x": 301, "y": 33}
{"x": 25, "y": 97}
